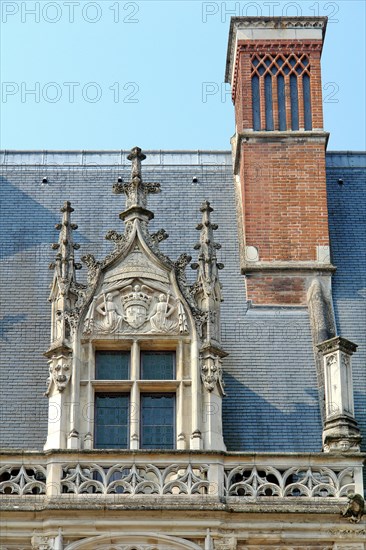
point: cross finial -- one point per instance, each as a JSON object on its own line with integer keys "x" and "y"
{"x": 136, "y": 190}
{"x": 136, "y": 156}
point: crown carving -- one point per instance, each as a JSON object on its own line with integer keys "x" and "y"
{"x": 136, "y": 298}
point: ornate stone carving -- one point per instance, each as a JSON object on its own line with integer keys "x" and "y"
{"x": 40, "y": 542}
{"x": 337, "y": 343}
{"x": 350, "y": 545}
{"x": 159, "y": 236}
{"x": 227, "y": 543}
{"x": 66, "y": 293}
{"x": 207, "y": 288}
{"x": 160, "y": 317}
{"x": 136, "y": 190}
{"x": 60, "y": 374}
{"x": 316, "y": 481}
{"x": 211, "y": 371}
{"x": 341, "y": 433}
{"x": 117, "y": 238}
{"x": 136, "y": 308}
{"x": 23, "y": 480}
{"x": 355, "y": 508}
{"x": 348, "y": 532}
{"x": 135, "y": 479}
{"x": 93, "y": 267}
{"x": 136, "y": 305}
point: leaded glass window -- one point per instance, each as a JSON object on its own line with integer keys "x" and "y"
{"x": 111, "y": 421}
{"x": 157, "y": 365}
{"x": 123, "y": 382}
{"x": 157, "y": 421}
{"x": 112, "y": 365}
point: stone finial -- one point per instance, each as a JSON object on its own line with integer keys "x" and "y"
{"x": 340, "y": 433}
{"x": 207, "y": 288}
{"x": 207, "y": 293}
{"x": 64, "y": 264}
{"x": 207, "y": 265}
{"x": 136, "y": 190}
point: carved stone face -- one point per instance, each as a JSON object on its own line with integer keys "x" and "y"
{"x": 61, "y": 375}
{"x": 210, "y": 373}
{"x": 136, "y": 315}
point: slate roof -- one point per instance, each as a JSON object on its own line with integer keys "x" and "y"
{"x": 272, "y": 396}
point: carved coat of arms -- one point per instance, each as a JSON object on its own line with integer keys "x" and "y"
{"x": 136, "y": 305}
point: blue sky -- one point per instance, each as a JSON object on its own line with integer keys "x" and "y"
{"x": 112, "y": 74}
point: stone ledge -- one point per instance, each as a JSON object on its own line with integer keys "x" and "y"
{"x": 257, "y": 267}
{"x": 247, "y": 505}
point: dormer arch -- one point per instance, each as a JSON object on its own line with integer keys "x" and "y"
{"x": 144, "y": 357}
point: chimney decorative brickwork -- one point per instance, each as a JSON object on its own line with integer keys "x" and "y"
{"x": 279, "y": 155}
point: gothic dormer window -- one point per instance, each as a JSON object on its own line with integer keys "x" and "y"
{"x": 138, "y": 348}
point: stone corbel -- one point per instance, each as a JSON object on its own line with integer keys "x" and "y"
{"x": 211, "y": 371}
{"x": 60, "y": 369}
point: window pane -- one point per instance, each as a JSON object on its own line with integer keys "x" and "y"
{"x": 256, "y": 103}
{"x": 157, "y": 365}
{"x": 157, "y": 421}
{"x": 111, "y": 421}
{"x": 307, "y": 101}
{"x": 268, "y": 101}
{"x": 112, "y": 365}
{"x": 294, "y": 103}
{"x": 281, "y": 102}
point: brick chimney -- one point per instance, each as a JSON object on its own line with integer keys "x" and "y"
{"x": 273, "y": 66}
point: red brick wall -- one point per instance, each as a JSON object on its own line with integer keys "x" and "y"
{"x": 279, "y": 289}
{"x": 282, "y": 179}
{"x": 284, "y": 198}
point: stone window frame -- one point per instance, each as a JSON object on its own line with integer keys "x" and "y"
{"x": 135, "y": 386}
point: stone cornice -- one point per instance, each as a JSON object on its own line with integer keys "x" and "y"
{"x": 279, "y": 23}
{"x": 338, "y": 343}
{"x": 58, "y": 348}
{"x": 273, "y": 267}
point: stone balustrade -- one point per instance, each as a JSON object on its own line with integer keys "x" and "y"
{"x": 222, "y": 477}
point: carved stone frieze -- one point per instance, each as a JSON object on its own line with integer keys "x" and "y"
{"x": 272, "y": 546}
{"x": 348, "y": 533}
{"x": 227, "y": 543}
{"x": 139, "y": 307}
{"x": 40, "y": 542}
{"x": 349, "y": 545}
